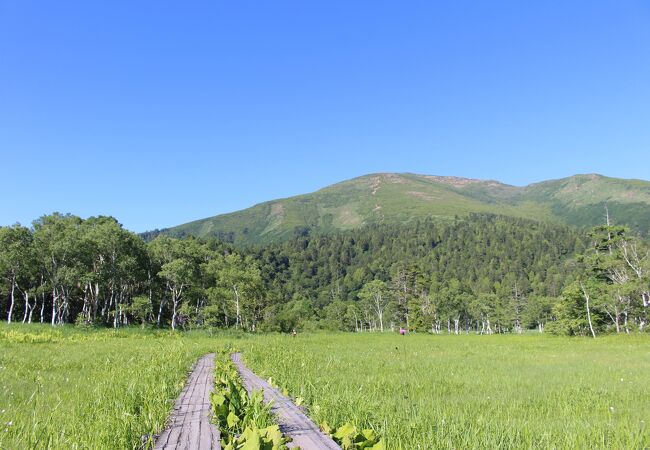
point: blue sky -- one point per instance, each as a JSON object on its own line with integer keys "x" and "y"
{"x": 162, "y": 112}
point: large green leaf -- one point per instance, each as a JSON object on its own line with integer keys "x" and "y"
{"x": 232, "y": 420}
{"x": 347, "y": 430}
{"x": 273, "y": 434}
{"x": 253, "y": 441}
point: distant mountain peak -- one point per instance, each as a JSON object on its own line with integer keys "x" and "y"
{"x": 461, "y": 182}
{"x": 403, "y": 197}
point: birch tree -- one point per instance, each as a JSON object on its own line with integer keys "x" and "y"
{"x": 637, "y": 257}
{"x": 57, "y": 240}
{"x": 15, "y": 261}
{"x": 237, "y": 281}
{"x": 179, "y": 269}
{"x": 375, "y": 295}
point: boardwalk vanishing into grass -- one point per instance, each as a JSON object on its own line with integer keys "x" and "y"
{"x": 292, "y": 421}
{"x": 189, "y": 426}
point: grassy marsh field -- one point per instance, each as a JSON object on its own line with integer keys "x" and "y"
{"x": 423, "y": 392}
{"x": 70, "y": 388}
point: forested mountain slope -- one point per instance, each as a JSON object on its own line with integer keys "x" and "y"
{"x": 401, "y": 198}
{"x": 484, "y": 272}
{"x": 480, "y": 251}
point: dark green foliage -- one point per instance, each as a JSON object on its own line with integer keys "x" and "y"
{"x": 612, "y": 292}
{"x": 483, "y": 273}
{"x": 635, "y": 215}
{"x": 483, "y": 254}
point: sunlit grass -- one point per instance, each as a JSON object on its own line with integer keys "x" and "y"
{"x": 68, "y": 389}
{"x": 424, "y": 392}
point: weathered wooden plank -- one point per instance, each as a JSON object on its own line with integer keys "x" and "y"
{"x": 292, "y": 421}
{"x": 189, "y": 426}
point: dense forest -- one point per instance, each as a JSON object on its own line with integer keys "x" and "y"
{"x": 482, "y": 274}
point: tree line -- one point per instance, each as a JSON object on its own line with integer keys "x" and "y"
{"x": 482, "y": 274}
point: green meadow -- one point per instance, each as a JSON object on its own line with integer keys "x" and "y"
{"x": 67, "y": 389}
{"x": 72, "y": 388}
{"x": 509, "y": 391}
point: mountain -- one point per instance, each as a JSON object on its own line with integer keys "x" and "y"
{"x": 579, "y": 200}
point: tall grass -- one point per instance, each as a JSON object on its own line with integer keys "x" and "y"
{"x": 424, "y": 392}
{"x": 68, "y": 389}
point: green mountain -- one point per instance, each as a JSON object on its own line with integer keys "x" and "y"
{"x": 399, "y": 198}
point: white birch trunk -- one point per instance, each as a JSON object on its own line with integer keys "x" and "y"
{"x": 11, "y": 305}
{"x": 238, "y": 321}
{"x": 586, "y": 296}
{"x": 28, "y": 307}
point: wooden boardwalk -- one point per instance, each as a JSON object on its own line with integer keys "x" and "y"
{"x": 292, "y": 421}
{"x": 189, "y": 426}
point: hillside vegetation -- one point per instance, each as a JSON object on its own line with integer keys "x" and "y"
{"x": 401, "y": 198}
{"x": 485, "y": 273}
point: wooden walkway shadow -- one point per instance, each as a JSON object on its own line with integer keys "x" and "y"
{"x": 189, "y": 426}
{"x": 292, "y": 421}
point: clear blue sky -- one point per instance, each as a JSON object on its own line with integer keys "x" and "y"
{"x": 161, "y": 112}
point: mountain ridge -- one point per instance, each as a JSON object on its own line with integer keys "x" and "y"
{"x": 386, "y": 197}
